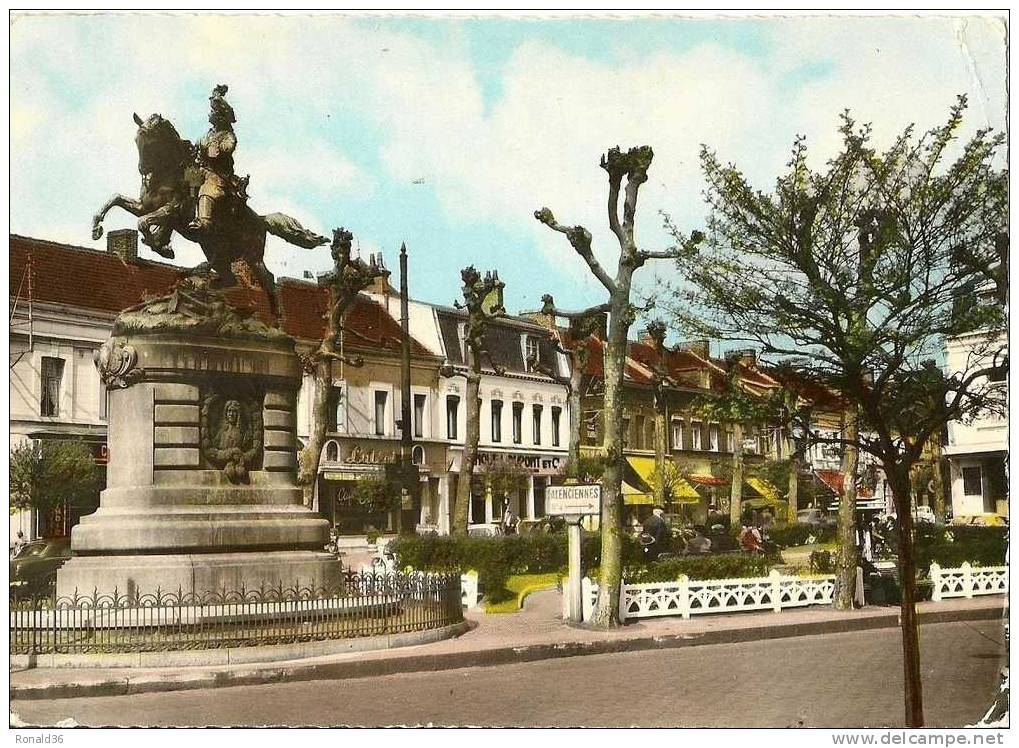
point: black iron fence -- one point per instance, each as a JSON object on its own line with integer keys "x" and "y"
{"x": 361, "y": 605}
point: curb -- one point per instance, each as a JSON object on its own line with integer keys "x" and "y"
{"x": 184, "y": 680}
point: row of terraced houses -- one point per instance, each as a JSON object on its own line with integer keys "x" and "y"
{"x": 64, "y": 300}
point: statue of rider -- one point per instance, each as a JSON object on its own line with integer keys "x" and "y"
{"x": 215, "y": 156}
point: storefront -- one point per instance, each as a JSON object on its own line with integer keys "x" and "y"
{"x": 359, "y": 493}
{"x": 506, "y": 479}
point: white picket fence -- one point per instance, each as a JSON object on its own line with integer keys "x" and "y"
{"x": 968, "y": 581}
{"x": 686, "y": 597}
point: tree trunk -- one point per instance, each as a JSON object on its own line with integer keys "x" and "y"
{"x": 661, "y": 450}
{"x": 794, "y": 461}
{"x": 472, "y": 435}
{"x": 606, "y": 613}
{"x": 913, "y": 688}
{"x": 579, "y": 364}
{"x": 311, "y": 455}
{"x": 736, "y": 488}
{"x": 937, "y": 479}
{"x": 845, "y": 565}
{"x": 794, "y": 489}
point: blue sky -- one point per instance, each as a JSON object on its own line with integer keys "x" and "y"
{"x": 447, "y": 133}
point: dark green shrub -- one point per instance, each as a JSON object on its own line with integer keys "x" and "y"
{"x": 786, "y": 536}
{"x": 822, "y": 562}
{"x": 722, "y": 566}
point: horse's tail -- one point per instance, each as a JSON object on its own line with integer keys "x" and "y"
{"x": 289, "y": 230}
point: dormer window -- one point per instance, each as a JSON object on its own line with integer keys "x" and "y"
{"x": 530, "y": 351}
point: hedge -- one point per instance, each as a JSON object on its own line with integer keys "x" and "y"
{"x": 786, "y": 536}
{"x": 951, "y": 546}
{"x": 721, "y": 566}
{"x": 495, "y": 559}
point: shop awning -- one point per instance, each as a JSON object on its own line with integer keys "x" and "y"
{"x": 769, "y": 495}
{"x": 637, "y": 482}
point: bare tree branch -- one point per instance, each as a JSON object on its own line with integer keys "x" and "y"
{"x": 580, "y": 240}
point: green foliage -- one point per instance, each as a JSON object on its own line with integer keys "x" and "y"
{"x": 721, "y": 566}
{"x": 520, "y": 586}
{"x": 50, "y": 473}
{"x": 787, "y": 536}
{"x": 376, "y": 494}
{"x": 587, "y": 468}
{"x": 822, "y": 562}
{"x": 952, "y": 546}
{"x": 504, "y": 476}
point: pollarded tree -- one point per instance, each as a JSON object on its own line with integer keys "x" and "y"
{"x": 576, "y": 345}
{"x": 483, "y": 302}
{"x": 633, "y": 165}
{"x": 347, "y": 279}
{"x": 857, "y": 274}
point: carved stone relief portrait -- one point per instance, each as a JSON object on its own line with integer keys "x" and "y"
{"x": 231, "y": 427}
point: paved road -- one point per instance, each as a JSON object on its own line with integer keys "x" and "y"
{"x": 841, "y": 680}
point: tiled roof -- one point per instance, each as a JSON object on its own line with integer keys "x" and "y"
{"x": 100, "y": 281}
{"x": 502, "y": 339}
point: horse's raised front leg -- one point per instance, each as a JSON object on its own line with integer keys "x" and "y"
{"x": 158, "y": 240}
{"x": 132, "y": 206}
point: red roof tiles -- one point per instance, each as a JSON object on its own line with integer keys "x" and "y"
{"x": 101, "y": 282}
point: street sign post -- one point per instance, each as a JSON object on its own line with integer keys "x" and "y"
{"x": 573, "y": 503}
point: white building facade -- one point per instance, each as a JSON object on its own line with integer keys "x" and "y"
{"x": 977, "y": 449}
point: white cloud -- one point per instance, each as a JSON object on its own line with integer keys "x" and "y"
{"x": 538, "y": 144}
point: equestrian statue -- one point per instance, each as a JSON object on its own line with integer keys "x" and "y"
{"x": 192, "y": 189}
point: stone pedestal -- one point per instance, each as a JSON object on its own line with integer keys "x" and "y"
{"x": 201, "y": 489}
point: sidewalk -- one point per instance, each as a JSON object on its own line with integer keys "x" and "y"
{"x": 535, "y": 633}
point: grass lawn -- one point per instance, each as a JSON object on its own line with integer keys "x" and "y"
{"x": 522, "y": 585}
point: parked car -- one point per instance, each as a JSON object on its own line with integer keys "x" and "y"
{"x": 814, "y": 517}
{"x": 33, "y": 568}
{"x": 483, "y": 531}
{"x": 984, "y": 519}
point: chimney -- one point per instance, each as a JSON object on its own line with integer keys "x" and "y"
{"x": 380, "y": 285}
{"x": 123, "y": 243}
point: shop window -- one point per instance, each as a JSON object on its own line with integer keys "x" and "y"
{"x": 695, "y": 435}
{"x": 518, "y": 422}
{"x": 52, "y": 374}
{"x": 452, "y": 415}
{"x": 419, "y": 415}
{"x": 556, "y": 418}
{"x": 536, "y": 423}
{"x": 972, "y": 481}
{"x": 380, "y": 412}
{"x": 497, "y": 421}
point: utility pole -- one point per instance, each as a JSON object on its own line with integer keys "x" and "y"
{"x": 406, "y": 432}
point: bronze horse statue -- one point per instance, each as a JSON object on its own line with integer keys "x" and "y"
{"x": 171, "y": 178}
